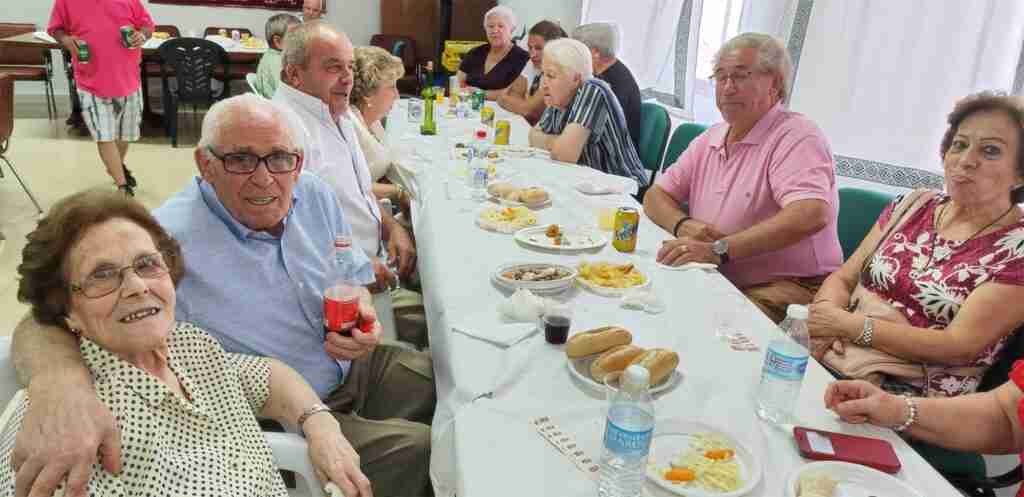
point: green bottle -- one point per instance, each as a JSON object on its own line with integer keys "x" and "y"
{"x": 429, "y": 127}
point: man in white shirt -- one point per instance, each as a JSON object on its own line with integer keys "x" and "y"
{"x": 317, "y": 79}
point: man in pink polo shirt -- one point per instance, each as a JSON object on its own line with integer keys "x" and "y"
{"x": 109, "y": 83}
{"x": 760, "y": 188}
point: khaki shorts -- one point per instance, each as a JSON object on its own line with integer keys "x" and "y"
{"x": 112, "y": 119}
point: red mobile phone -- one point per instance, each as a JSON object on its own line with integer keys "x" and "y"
{"x": 830, "y": 446}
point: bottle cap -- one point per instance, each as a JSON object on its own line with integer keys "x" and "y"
{"x": 481, "y": 134}
{"x": 797, "y": 311}
{"x": 636, "y": 377}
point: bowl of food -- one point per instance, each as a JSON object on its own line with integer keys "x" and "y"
{"x": 611, "y": 279}
{"x": 537, "y": 277}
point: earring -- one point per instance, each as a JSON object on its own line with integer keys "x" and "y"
{"x": 76, "y": 331}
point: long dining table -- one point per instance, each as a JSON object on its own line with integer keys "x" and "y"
{"x": 483, "y": 441}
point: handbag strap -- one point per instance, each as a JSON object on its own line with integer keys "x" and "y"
{"x": 910, "y": 204}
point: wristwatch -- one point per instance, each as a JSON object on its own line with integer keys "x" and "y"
{"x": 311, "y": 410}
{"x": 721, "y": 248}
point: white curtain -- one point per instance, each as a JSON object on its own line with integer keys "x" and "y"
{"x": 879, "y": 76}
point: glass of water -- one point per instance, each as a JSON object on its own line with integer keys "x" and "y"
{"x": 414, "y": 110}
{"x": 728, "y": 309}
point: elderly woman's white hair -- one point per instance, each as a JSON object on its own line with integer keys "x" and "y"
{"x": 604, "y": 37}
{"x": 225, "y": 113}
{"x": 772, "y": 56}
{"x": 571, "y": 55}
{"x": 503, "y": 11}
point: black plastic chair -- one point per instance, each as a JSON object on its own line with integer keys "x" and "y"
{"x": 194, "y": 61}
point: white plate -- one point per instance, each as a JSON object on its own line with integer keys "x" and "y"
{"x": 518, "y": 151}
{"x": 535, "y": 237}
{"x": 513, "y": 203}
{"x": 605, "y": 291}
{"x": 580, "y": 368}
{"x": 854, "y": 480}
{"x": 501, "y": 226}
{"x": 672, "y": 436}
{"x": 535, "y": 286}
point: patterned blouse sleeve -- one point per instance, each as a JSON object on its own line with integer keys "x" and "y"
{"x": 7, "y": 436}
{"x": 254, "y": 377}
{"x": 590, "y": 110}
{"x": 1010, "y": 248}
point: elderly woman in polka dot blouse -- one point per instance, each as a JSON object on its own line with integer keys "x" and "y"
{"x": 101, "y": 266}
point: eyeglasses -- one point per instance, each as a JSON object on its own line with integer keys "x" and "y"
{"x": 246, "y": 163}
{"x": 105, "y": 281}
{"x": 739, "y": 78}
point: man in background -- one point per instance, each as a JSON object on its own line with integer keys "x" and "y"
{"x": 603, "y": 40}
{"x": 312, "y": 10}
{"x": 268, "y": 72}
{"x": 109, "y": 82}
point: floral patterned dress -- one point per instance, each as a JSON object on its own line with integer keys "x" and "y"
{"x": 928, "y": 278}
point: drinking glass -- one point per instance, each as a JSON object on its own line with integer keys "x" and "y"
{"x": 557, "y": 320}
{"x": 728, "y": 308}
{"x": 414, "y": 110}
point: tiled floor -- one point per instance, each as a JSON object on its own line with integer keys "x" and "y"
{"x": 54, "y": 164}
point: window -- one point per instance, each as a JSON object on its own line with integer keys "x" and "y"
{"x": 669, "y": 44}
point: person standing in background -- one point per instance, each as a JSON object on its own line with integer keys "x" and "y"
{"x": 109, "y": 82}
{"x": 312, "y": 10}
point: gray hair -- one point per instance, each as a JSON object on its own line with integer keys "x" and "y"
{"x": 604, "y": 37}
{"x": 278, "y": 25}
{"x": 571, "y": 55}
{"x": 228, "y": 112}
{"x": 772, "y": 57}
{"x": 502, "y": 11}
{"x": 296, "y": 43}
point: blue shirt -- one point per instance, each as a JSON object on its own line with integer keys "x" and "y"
{"x": 256, "y": 293}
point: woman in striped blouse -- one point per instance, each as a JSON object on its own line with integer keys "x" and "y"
{"x": 584, "y": 122}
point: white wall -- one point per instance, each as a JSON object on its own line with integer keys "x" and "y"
{"x": 359, "y": 18}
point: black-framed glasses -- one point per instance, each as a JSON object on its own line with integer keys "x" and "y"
{"x": 107, "y": 280}
{"x": 246, "y": 163}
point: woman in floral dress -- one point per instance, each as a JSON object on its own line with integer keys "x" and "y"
{"x": 950, "y": 265}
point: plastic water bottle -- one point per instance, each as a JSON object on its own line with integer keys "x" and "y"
{"x": 627, "y": 436}
{"x": 476, "y": 176}
{"x": 784, "y": 366}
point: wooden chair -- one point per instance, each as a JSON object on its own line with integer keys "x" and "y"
{"x": 7, "y": 129}
{"x": 28, "y": 64}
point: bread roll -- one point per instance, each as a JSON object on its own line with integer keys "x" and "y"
{"x": 499, "y": 189}
{"x": 614, "y": 359}
{"x": 659, "y": 362}
{"x": 597, "y": 340}
{"x": 533, "y": 196}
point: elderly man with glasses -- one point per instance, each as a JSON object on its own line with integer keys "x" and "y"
{"x": 257, "y": 234}
{"x": 756, "y": 194}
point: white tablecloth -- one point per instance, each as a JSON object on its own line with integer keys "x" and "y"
{"x": 483, "y": 444}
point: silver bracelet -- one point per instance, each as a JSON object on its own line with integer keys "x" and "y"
{"x": 911, "y": 414}
{"x": 865, "y": 335}
{"x": 311, "y": 410}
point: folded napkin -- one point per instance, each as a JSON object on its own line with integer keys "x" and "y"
{"x": 642, "y": 299}
{"x": 688, "y": 266}
{"x": 486, "y": 325}
{"x": 591, "y": 188}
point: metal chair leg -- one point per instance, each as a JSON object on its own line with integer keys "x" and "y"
{"x": 23, "y": 186}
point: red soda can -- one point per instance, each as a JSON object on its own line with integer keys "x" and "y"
{"x": 341, "y": 310}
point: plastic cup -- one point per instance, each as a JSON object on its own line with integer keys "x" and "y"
{"x": 606, "y": 218}
{"x": 557, "y": 321}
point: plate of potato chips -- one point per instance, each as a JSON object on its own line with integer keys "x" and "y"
{"x": 610, "y": 279}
